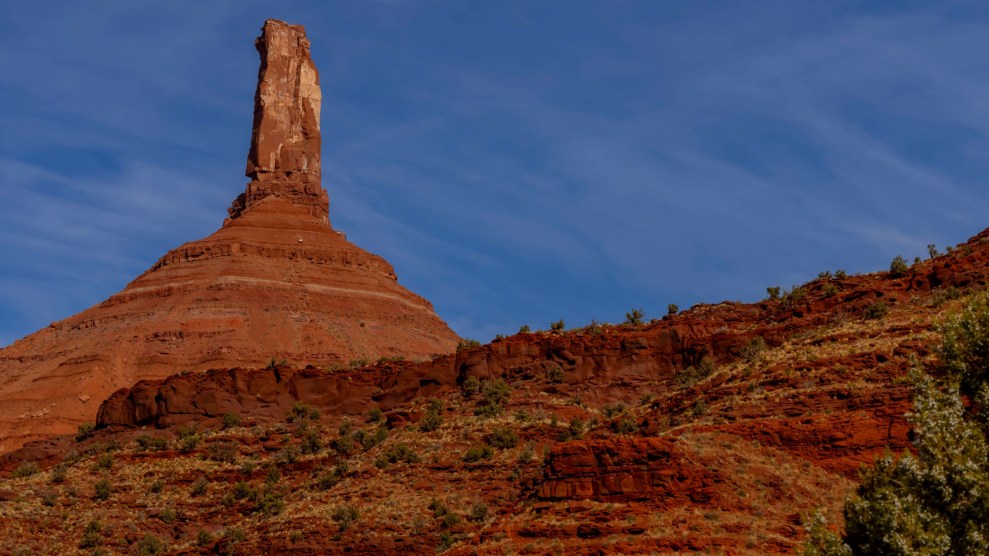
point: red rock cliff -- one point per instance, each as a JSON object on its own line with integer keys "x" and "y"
{"x": 275, "y": 282}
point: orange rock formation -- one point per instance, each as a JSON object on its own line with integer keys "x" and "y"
{"x": 275, "y": 282}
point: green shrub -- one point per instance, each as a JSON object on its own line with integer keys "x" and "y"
{"x": 150, "y": 545}
{"x": 188, "y": 443}
{"x": 402, "y": 453}
{"x": 91, "y": 537}
{"x": 876, "y": 310}
{"x": 478, "y": 512}
{"x": 300, "y": 412}
{"x": 504, "y": 438}
{"x": 840, "y": 274}
{"x": 374, "y": 415}
{"x": 625, "y": 425}
{"x": 634, "y": 316}
{"x": 692, "y": 375}
{"x": 86, "y": 429}
{"x": 148, "y": 442}
{"x": 964, "y": 350}
{"x": 59, "y": 473}
{"x": 471, "y": 386}
{"x": 478, "y": 452}
{"x": 558, "y": 325}
{"x": 467, "y": 343}
{"x": 231, "y": 420}
{"x": 672, "y": 309}
{"x": 753, "y": 349}
{"x": 524, "y": 329}
{"x": 102, "y": 489}
{"x": 167, "y": 515}
{"x": 494, "y": 396}
{"x": 773, "y": 292}
{"x": 612, "y": 409}
{"x": 199, "y": 486}
{"x": 555, "y": 374}
{"x": 898, "y": 267}
{"x": 269, "y": 502}
{"x": 225, "y": 452}
{"x": 25, "y": 469}
{"x": 344, "y": 515}
{"x": 932, "y": 251}
{"x": 104, "y": 463}
{"x": 940, "y": 296}
{"x": 829, "y": 290}
{"x": 203, "y": 538}
{"x": 432, "y": 419}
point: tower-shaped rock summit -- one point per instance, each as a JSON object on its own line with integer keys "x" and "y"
{"x": 284, "y": 158}
{"x": 275, "y": 282}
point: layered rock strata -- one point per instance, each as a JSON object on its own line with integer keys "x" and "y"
{"x": 275, "y": 282}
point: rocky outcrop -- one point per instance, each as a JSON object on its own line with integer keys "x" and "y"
{"x": 275, "y": 282}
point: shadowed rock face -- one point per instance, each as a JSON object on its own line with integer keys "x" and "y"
{"x": 275, "y": 282}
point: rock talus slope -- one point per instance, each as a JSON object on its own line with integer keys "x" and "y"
{"x": 275, "y": 282}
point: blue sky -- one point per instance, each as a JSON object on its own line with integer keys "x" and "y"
{"x": 518, "y": 162}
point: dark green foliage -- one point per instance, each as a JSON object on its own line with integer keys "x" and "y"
{"x": 940, "y": 296}
{"x": 300, "y": 412}
{"x": 524, "y": 329}
{"x": 156, "y": 486}
{"x": 150, "y": 545}
{"x": 634, "y": 316}
{"x": 86, "y": 428}
{"x": 344, "y": 515}
{"x": 504, "y": 438}
{"x": 692, "y": 375}
{"x": 932, "y": 251}
{"x": 527, "y": 453}
{"x": 555, "y": 374}
{"x": 773, "y": 292}
{"x": 840, "y": 274}
{"x": 471, "y": 386}
{"x": 273, "y": 475}
{"x": 876, "y": 310}
{"x": 49, "y": 497}
{"x": 494, "y": 397}
{"x": 402, "y": 453}
{"x": 478, "y": 452}
{"x": 289, "y": 454}
{"x": 25, "y": 469}
{"x": 829, "y": 290}
{"x": 613, "y": 409}
{"x": 443, "y": 514}
{"x": 935, "y": 500}
{"x": 793, "y": 297}
{"x": 231, "y": 420}
{"x": 753, "y": 348}
{"x": 104, "y": 463}
{"x": 198, "y": 487}
{"x": 268, "y": 501}
{"x": 558, "y": 325}
{"x": 102, "y": 489}
{"x": 59, "y": 473}
{"x": 167, "y": 515}
{"x": 369, "y": 440}
{"x": 824, "y": 275}
{"x": 898, "y": 267}
{"x": 91, "y": 537}
{"x": 242, "y": 490}
{"x": 203, "y": 538}
{"x": 478, "y": 512}
{"x": 625, "y": 425}
{"x": 374, "y": 415}
{"x": 672, "y": 309}
{"x": 225, "y": 452}
{"x": 312, "y": 442}
{"x": 148, "y": 442}
{"x": 467, "y": 343}
{"x": 432, "y": 419}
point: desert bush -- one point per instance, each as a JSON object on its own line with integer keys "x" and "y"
{"x": 625, "y": 425}
{"x": 692, "y": 375}
{"x": 369, "y": 440}
{"x": 527, "y": 453}
{"x": 840, "y": 274}
{"x": 558, "y": 325}
{"x": 432, "y": 419}
{"x": 829, "y": 290}
{"x": 102, "y": 489}
{"x": 555, "y": 374}
{"x": 344, "y": 515}
{"x": 343, "y": 445}
{"x": 634, "y": 317}
{"x": 478, "y": 452}
{"x": 199, "y": 486}
{"x": 402, "y": 453}
{"x": 268, "y": 501}
{"x": 753, "y": 349}
{"x": 478, "y": 512}
{"x": 188, "y": 443}
{"x": 940, "y": 296}
{"x": 525, "y": 329}
{"x": 672, "y": 309}
{"x": 932, "y": 251}
{"x": 494, "y": 397}
{"x": 612, "y": 409}
{"x": 225, "y": 452}
{"x": 312, "y": 442}
{"x": 300, "y": 412}
{"x": 91, "y": 537}
{"x": 167, "y": 515}
{"x": 25, "y": 469}
{"x": 793, "y": 297}
{"x": 203, "y": 538}
{"x": 773, "y": 292}
{"x": 504, "y": 438}
{"x": 898, "y": 267}
{"x": 59, "y": 473}
{"x": 86, "y": 428}
{"x": 231, "y": 420}
{"x": 104, "y": 463}
{"x": 150, "y": 545}
{"x": 48, "y": 497}
{"x": 148, "y": 442}
{"x": 876, "y": 310}
{"x": 156, "y": 486}
{"x": 374, "y": 415}
{"x": 471, "y": 386}
{"x": 467, "y": 343}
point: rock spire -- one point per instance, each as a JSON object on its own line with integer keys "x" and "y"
{"x": 284, "y": 158}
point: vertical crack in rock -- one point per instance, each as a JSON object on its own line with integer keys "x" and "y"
{"x": 284, "y": 158}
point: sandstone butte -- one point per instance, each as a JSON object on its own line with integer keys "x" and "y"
{"x": 276, "y": 281}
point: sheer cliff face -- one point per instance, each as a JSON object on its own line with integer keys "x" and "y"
{"x": 284, "y": 158}
{"x": 275, "y": 282}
